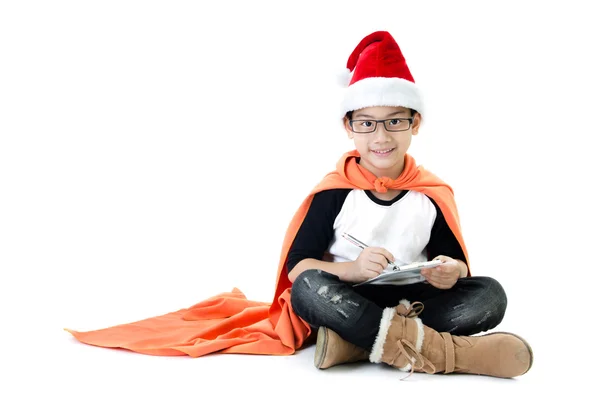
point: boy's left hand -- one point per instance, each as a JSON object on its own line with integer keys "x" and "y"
{"x": 445, "y": 275}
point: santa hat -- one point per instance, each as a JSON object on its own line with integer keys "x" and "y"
{"x": 377, "y": 75}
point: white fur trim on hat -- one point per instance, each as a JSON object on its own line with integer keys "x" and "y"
{"x": 382, "y": 91}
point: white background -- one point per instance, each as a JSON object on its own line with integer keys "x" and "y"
{"x": 152, "y": 154}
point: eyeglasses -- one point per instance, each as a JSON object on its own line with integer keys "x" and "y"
{"x": 391, "y": 125}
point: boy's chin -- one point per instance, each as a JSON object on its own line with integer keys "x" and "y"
{"x": 384, "y": 165}
{"x": 390, "y": 160}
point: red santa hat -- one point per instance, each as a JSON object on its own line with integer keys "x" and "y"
{"x": 377, "y": 75}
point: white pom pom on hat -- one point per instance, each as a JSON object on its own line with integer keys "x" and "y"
{"x": 343, "y": 77}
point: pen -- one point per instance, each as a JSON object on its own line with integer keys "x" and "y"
{"x": 362, "y": 245}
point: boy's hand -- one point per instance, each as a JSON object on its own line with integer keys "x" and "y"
{"x": 445, "y": 275}
{"x": 370, "y": 263}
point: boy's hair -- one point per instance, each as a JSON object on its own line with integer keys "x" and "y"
{"x": 349, "y": 114}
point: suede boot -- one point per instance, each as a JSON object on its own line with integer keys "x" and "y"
{"x": 406, "y": 343}
{"x": 332, "y": 350}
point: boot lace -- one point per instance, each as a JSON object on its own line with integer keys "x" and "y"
{"x": 413, "y": 310}
{"x": 417, "y": 360}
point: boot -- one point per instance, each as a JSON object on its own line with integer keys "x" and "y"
{"x": 406, "y": 343}
{"x": 332, "y": 350}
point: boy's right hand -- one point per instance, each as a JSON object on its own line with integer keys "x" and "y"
{"x": 370, "y": 263}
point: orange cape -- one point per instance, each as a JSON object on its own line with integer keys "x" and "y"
{"x": 229, "y": 322}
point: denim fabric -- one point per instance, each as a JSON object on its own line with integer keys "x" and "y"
{"x": 473, "y": 305}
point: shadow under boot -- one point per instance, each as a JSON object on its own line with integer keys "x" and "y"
{"x": 406, "y": 343}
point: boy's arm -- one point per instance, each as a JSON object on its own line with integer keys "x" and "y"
{"x": 337, "y": 268}
{"x": 315, "y": 234}
{"x": 442, "y": 242}
{"x": 463, "y": 268}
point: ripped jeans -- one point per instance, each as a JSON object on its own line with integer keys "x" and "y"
{"x": 473, "y": 305}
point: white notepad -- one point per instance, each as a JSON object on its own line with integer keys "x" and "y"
{"x": 401, "y": 275}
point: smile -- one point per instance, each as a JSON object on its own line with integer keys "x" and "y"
{"x": 382, "y": 152}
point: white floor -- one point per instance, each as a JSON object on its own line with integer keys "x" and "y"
{"x": 134, "y": 180}
{"x": 124, "y": 373}
{"x": 50, "y": 361}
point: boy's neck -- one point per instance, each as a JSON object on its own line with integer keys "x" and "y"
{"x": 393, "y": 173}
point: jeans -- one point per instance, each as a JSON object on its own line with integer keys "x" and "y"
{"x": 472, "y": 305}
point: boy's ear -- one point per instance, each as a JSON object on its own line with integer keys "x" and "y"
{"x": 416, "y": 123}
{"x": 349, "y": 131}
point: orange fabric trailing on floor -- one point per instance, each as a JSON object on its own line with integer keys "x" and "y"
{"x": 229, "y": 322}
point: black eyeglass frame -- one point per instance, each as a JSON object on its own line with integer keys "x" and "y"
{"x": 410, "y": 122}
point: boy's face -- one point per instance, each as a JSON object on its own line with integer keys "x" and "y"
{"x": 382, "y": 152}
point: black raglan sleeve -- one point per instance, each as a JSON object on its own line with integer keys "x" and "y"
{"x": 442, "y": 240}
{"x": 316, "y": 231}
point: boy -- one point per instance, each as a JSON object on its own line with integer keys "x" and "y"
{"x": 405, "y": 214}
